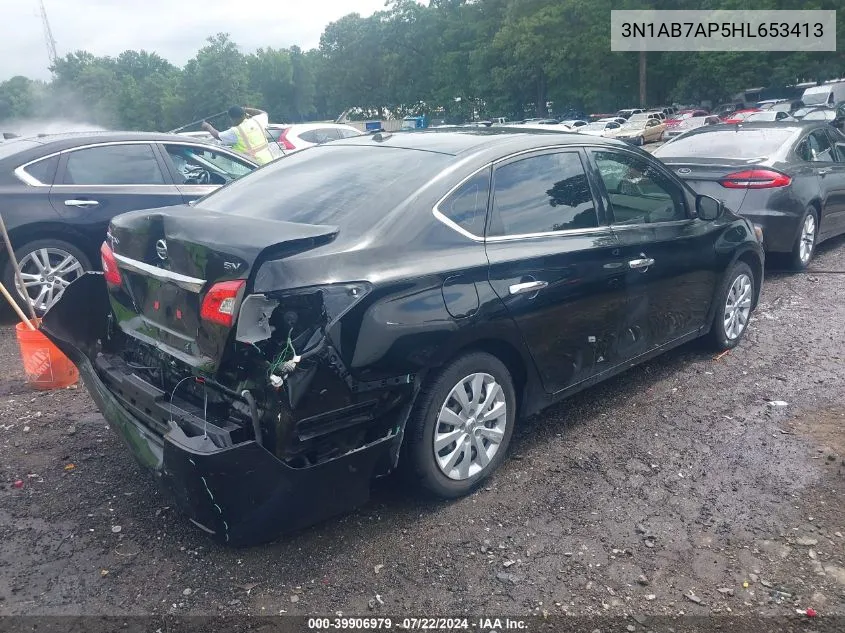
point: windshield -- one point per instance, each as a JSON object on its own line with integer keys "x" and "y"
{"x": 635, "y": 125}
{"x": 743, "y": 143}
{"x": 816, "y": 98}
{"x": 800, "y": 114}
{"x": 740, "y": 116}
{"x": 352, "y": 187}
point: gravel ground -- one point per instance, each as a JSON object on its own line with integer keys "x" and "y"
{"x": 674, "y": 488}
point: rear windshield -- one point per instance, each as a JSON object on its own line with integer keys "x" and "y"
{"x": 351, "y": 187}
{"x": 729, "y": 143}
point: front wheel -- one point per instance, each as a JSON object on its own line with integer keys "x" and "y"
{"x": 805, "y": 245}
{"x": 461, "y": 426}
{"x": 734, "y": 301}
{"x": 640, "y": 141}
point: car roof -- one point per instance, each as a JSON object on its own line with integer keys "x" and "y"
{"x": 464, "y": 141}
{"x": 67, "y": 140}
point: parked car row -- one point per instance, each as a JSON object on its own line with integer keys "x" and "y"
{"x": 408, "y": 297}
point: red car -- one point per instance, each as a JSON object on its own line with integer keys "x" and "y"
{"x": 683, "y": 115}
{"x": 740, "y": 115}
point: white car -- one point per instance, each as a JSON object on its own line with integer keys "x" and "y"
{"x": 600, "y": 128}
{"x": 575, "y": 123}
{"x": 616, "y": 119}
{"x": 292, "y": 138}
{"x": 770, "y": 115}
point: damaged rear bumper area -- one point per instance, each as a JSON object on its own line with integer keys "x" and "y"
{"x": 240, "y": 493}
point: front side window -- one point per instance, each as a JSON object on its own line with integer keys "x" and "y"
{"x": 205, "y": 166}
{"x": 816, "y": 148}
{"x": 132, "y": 164}
{"x": 639, "y": 193}
{"x": 541, "y": 194}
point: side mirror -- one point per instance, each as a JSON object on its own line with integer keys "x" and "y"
{"x": 708, "y": 208}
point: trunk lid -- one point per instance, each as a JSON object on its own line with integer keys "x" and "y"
{"x": 704, "y": 176}
{"x": 170, "y": 259}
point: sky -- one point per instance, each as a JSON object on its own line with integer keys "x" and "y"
{"x": 175, "y": 29}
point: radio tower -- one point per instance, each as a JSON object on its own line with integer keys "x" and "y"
{"x": 48, "y": 35}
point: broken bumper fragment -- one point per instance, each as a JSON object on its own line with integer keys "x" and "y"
{"x": 240, "y": 494}
{"x": 237, "y": 491}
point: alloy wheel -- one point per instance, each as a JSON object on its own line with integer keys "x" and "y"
{"x": 45, "y": 273}
{"x": 738, "y": 307}
{"x": 470, "y": 426}
{"x": 807, "y": 238}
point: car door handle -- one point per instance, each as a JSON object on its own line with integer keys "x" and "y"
{"x": 528, "y": 286}
{"x": 822, "y": 172}
{"x": 81, "y": 203}
{"x": 645, "y": 262}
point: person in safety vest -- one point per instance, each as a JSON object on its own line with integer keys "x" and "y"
{"x": 246, "y": 135}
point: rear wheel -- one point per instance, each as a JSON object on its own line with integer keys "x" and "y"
{"x": 805, "y": 245}
{"x": 47, "y": 268}
{"x": 734, "y": 300}
{"x": 461, "y": 427}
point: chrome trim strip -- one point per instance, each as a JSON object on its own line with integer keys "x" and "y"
{"x": 566, "y": 232}
{"x": 192, "y": 284}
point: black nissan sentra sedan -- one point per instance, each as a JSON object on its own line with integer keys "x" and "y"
{"x": 391, "y": 301}
{"x": 789, "y": 178}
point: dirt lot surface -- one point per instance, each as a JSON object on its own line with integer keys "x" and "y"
{"x": 677, "y": 487}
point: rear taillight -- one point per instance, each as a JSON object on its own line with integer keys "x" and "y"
{"x": 755, "y": 179}
{"x": 109, "y": 264}
{"x": 283, "y": 139}
{"x": 219, "y": 303}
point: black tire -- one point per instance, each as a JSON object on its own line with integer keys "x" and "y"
{"x": 718, "y": 337}
{"x": 419, "y": 461}
{"x": 31, "y": 247}
{"x": 795, "y": 260}
{"x": 640, "y": 141}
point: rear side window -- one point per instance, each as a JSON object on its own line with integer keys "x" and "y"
{"x": 541, "y": 194}
{"x": 133, "y": 164}
{"x": 44, "y": 171}
{"x": 729, "y": 142}
{"x": 467, "y": 206}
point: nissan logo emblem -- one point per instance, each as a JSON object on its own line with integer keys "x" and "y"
{"x": 684, "y": 171}
{"x": 161, "y": 249}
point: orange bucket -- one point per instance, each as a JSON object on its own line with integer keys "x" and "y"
{"x": 46, "y": 367}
